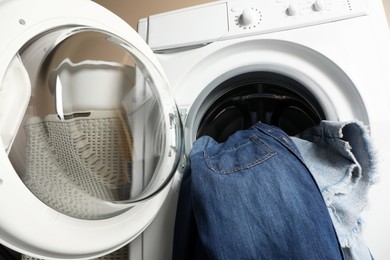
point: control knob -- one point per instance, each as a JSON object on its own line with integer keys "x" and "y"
{"x": 319, "y": 5}
{"x": 248, "y": 17}
{"x": 292, "y": 10}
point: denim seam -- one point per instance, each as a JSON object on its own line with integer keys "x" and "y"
{"x": 229, "y": 149}
{"x": 255, "y": 139}
{"x": 294, "y": 149}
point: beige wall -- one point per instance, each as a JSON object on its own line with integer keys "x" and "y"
{"x": 133, "y": 10}
{"x": 386, "y": 3}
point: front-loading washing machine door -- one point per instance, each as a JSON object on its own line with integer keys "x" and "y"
{"x": 90, "y": 136}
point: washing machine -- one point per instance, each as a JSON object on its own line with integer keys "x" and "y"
{"x": 96, "y": 121}
{"x": 285, "y": 63}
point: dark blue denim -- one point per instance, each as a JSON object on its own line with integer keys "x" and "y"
{"x": 251, "y": 197}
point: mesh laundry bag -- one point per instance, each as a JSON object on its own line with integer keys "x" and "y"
{"x": 72, "y": 164}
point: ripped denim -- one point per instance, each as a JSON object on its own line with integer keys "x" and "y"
{"x": 341, "y": 158}
{"x": 251, "y": 197}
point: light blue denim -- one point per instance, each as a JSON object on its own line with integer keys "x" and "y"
{"x": 251, "y": 197}
{"x": 341, "y": 158}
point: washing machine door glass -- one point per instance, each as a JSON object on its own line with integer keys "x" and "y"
{"x": 100, "y": 132}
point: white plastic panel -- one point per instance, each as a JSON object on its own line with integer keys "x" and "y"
{"x": 192, "y": 26}
{"x": 223, "y": 20}
{"x": 280, "y": 15}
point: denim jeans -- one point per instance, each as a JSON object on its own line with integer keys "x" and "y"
{"x": 342, "y": 160}
{"x": 251, "y": 197}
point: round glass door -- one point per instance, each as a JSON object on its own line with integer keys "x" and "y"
{"x": 100, "y": 132}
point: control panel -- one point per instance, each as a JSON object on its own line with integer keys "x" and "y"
{"x": 254, "y": 17}
{"x": 225, "y": 19}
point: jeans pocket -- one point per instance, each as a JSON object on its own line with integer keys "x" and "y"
{"x": 234, "y": 158}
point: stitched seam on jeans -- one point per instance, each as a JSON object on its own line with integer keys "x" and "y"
{"x": 270, "y": 153}
{"x": 259, "y": 142}
{"x": 229, "y": 149}
{"x": 248, "y": 165}
{"x": 290, "y": 145}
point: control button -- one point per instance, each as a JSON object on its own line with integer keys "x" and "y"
{"x": 292, "y": 10}
{"x": 319, "y": 5}
{"x": 248, "y": 17}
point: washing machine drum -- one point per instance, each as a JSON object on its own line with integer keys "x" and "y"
{"x": 90, "y": 135}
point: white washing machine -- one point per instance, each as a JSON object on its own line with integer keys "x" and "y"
{"x": 92, "y": 136}
{"x": 287, "y": 63}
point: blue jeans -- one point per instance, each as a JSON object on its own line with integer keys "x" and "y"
{"x": 251, "y": 197}
{"x": 342, "y": 160}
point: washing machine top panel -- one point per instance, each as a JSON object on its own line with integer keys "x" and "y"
{"x": 91, "y": 136}
{"x": 229, "y": 19}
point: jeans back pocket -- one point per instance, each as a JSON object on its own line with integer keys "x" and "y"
{"x": 239, "y": 156}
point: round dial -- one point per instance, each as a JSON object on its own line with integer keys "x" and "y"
{"x": 319, "y": 5}
{"x": 292, "y": 10}
{"x": 248, "y": 17}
